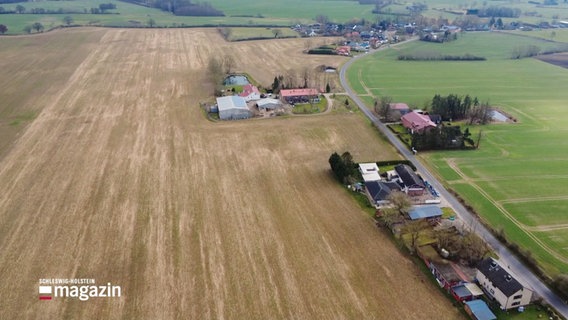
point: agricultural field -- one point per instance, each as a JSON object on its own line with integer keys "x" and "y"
{"x": 515, "y": 180}
{"x": 241, "y": 33}
{"x": 120, "y": 177}
{"x": 243, "y": 13}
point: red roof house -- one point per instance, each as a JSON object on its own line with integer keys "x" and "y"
{"x": 416, "y": 122}
{"x": 298, "y": 95}
{"x": 250, "y": 93}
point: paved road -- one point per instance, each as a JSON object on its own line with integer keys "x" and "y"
{"x": 505, "y": 255}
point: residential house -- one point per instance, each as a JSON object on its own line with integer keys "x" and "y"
{"x": 500, "y": 285}
{"x": 413, "y": 185}
{"x": 293, "y": 96}
{"x": 379, "y": 191}
{"x": 416, "y": 122}
{"x": 250, "y": 93}
{"x": 403, "y": 108}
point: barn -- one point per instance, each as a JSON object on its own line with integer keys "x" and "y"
{"x": 293, "y": 96}
{"x": 268, "y": 104}
{"x": 233, "y": 108}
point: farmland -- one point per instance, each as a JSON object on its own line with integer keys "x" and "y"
{"x": 246, "y": 13}
{"x": 118, "y": 176}
{"x": 515, "y": 179}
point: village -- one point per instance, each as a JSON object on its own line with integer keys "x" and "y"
{"x": 459, "y": 261}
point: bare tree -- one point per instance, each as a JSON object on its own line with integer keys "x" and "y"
{"x": 228, "y": 63}
{"x": 38, "y": 26}
{"x": 414, "y": 229}
{"x": 400, "y": 201}
{"x": 308, "y": 44}
{"x": 290, "y": 79}
{"x": 215, "y": 72}
{"x": 276, "y": 32}
{"x": 322, "y": 19}
{"x": 390, "y": 217}
{"x": 383, "y": 107}
{"x": 306, "y": 76}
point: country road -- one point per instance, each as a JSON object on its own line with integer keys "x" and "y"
{"x": 506, "y": 257}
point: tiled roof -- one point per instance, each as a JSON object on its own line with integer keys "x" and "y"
{"x": 298, "y": 92}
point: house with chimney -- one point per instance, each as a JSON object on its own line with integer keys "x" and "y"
{"x": 501, "y": 285}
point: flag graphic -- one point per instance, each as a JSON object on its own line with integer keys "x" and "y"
{"x": 44, "y": 292}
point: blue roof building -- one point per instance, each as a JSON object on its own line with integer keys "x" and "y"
{"x": 424, "y": 212}
{"x": 479, "y": 310}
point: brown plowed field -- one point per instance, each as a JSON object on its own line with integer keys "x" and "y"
{"x": 557, "y": 59}
{"x": 119, "y": 177}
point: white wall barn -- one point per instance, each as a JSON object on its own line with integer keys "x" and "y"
{"x": 233, "y": 108}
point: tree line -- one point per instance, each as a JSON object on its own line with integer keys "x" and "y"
{"x": 343, "y": 167}
{"x": 20, "y": 9}
{"x": 495, "y": 11}
{"x": 180, "y": 7}
{"x": 443, "y": 137}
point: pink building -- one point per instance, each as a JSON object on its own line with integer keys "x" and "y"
{"x": 417, "y": 122}
{"x": 250, "y": 93}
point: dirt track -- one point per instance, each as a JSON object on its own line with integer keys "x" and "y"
{"x": 120, "y": 178}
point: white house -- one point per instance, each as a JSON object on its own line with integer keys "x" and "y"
{"x": 250, "y": 93}
{"x": 500, "y": 285}
{"x": 369, "y": 171}
{"x": 232, "y": 108}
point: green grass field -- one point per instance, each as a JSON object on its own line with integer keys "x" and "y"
{"x": 517, "y": 179}
{"x": 245, "y": 13}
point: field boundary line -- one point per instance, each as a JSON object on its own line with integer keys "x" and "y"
{"x": 452, "y": 164}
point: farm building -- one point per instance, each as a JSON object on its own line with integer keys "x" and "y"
{"x": 478, "y": 310}
{"x": 293, "y": 96}
{"x": 416, "y": 122}
{"x": 413, "y": 185}
{"x": 425, "y": 212}
{"x": 403, "y": 108}
{"x": 379, "y": 191}
{"x": 250, "y": 93}
{"x": 232, "y": 108}
{"x": 369, "y": 171}
{"x": 466, "y": 292}
{"x": 268, "y": 104}
{"x": 500, "y": 285}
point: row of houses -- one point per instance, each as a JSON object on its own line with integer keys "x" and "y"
{"x": 237, "y": 106}
{"x": 402, "y": 178}
{"x": 468, "y": 286}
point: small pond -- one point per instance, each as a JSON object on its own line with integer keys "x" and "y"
{"x": 498, "y": 116}
{"x": 236, "y": 80}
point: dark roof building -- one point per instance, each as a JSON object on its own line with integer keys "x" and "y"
{"x": 501, "y": 285}
{"x": 379, "y": 191}
{"x": 412, "y": 183}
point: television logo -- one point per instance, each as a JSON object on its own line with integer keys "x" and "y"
{"x": 82, "y": 289}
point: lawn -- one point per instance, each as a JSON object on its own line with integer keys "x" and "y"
{"x": 517, "y": 173}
